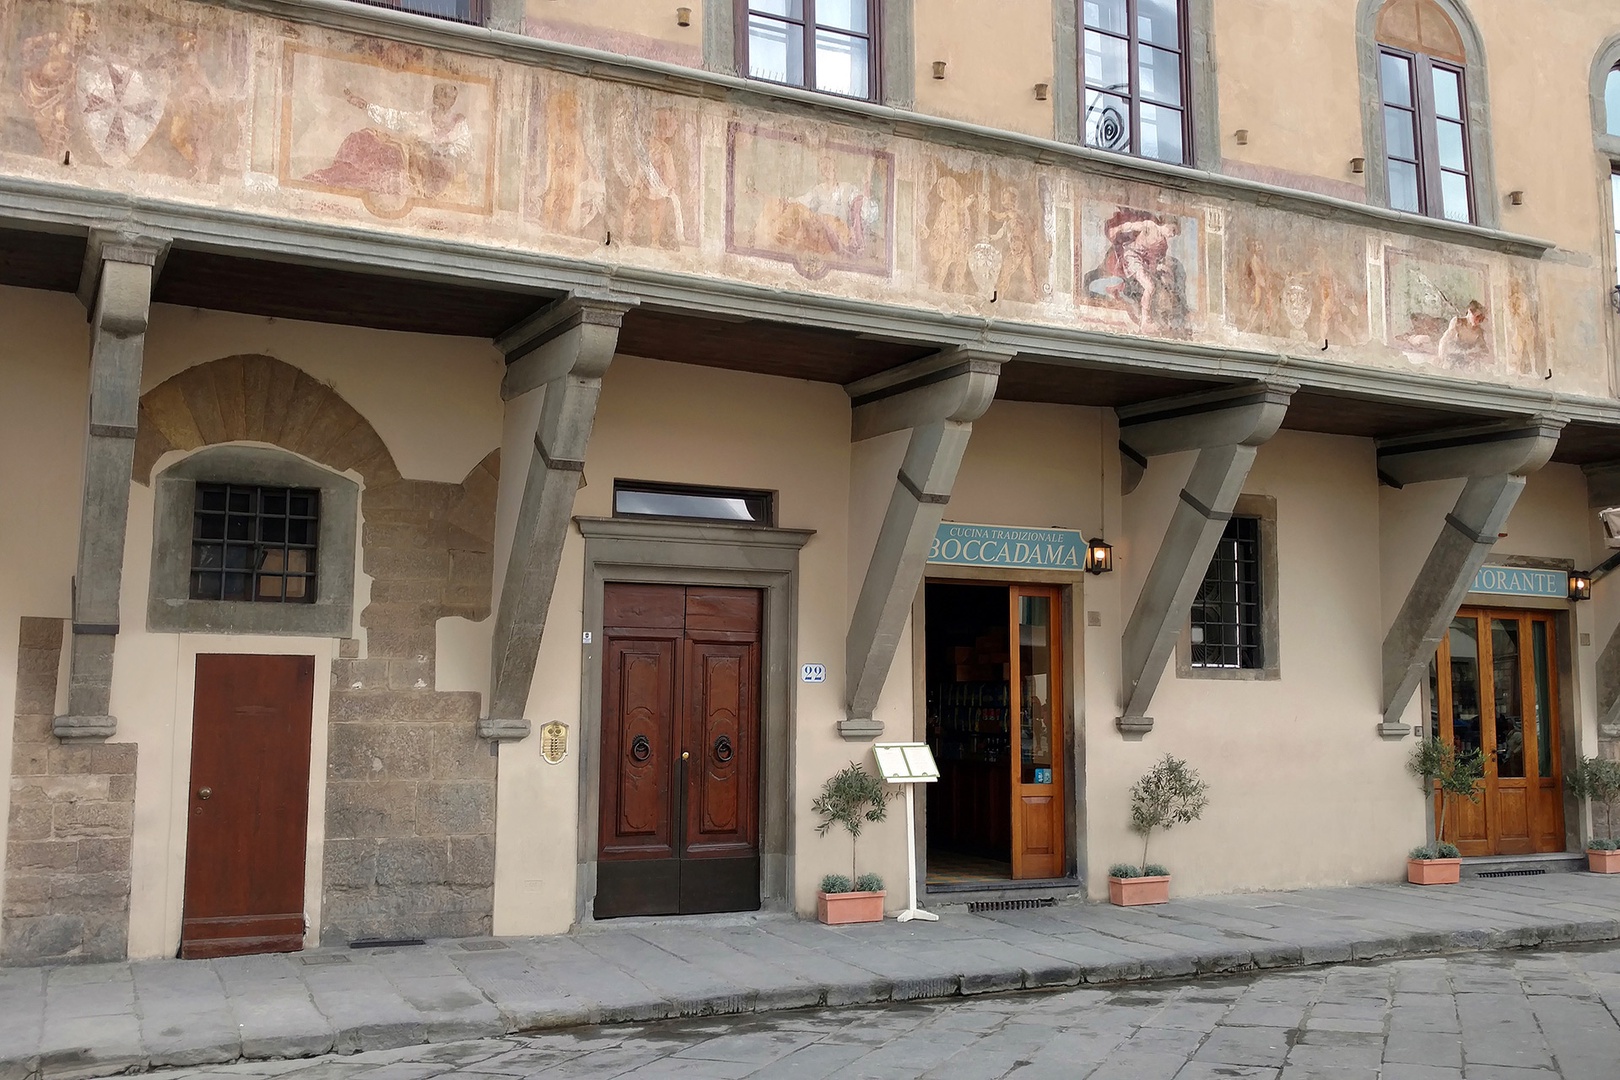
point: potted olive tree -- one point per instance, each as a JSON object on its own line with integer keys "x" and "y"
{"x": 1170, "y": 794}
{"x": 850, "y": 798}
{"x": 1441, "y": 766}
{"x": 1598, "y": 779}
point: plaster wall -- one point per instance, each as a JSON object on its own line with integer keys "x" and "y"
{"x": 44, "y": 377}
{"x": 991, "y": 63}
{"x": 645, "y": 28}
{"x": 1289, "y": 762}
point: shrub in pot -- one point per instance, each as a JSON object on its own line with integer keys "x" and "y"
{"x": 849, "y": 799}
{"x": 1170, "y": 794}
{"x": 1598, "y": 779}
{"x": 1455, "y": 774}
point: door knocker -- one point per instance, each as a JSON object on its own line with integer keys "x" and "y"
{"x": 640, "y": 748}
{"x": 722, "y": 749}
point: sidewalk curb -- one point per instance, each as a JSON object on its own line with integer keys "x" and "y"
{"x": 988, "y": 977}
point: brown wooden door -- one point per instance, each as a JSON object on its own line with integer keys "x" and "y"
{"x": 1038, "y": 775}
{"x": 1493, "y": 687}
{"x": 679, "y": 823}
{"x": 246, "y": 830}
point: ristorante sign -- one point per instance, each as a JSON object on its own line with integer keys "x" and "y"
{"x": 998, "y": 545}
{"x": 1522, "y": 581}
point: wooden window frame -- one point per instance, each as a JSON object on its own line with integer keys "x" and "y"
{"x": 473, "y": 12}
{"x": 1614, "y": 219}
{"x": 1133, "y": 94}
{"x": 1420, "y": 88}
{"x": 743, "y": 10}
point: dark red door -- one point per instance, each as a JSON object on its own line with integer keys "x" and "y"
{"x": 679, "y": 828}
{"x": 249, "y": 805}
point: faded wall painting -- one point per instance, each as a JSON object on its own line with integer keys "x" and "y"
{"x": 613, "y": 164}
{"x": 1278, "y": 287}
{"x": 126, "y": 85}
{"x": 391, "y": 130}
{"x": 982, "y": 232}
{"x": 1437, "y": 311}
{"x": 813, "y": 202}
{"x": 1140, "y": 268}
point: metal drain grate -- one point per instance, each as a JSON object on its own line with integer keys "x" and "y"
{"x": 976, "y": 906}
{"x": 1510, "y": 873}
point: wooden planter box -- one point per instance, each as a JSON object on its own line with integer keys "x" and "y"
{"x": 1603, "y": 862}
{"x": 849, "y": 907}
{"x": 1433, "y": 871}
{"x": 1129, "y": 892}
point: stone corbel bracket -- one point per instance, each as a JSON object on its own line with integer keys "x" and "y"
{"x": 1493, "y": 462}
{"x": 1226, "y": 428}
{"x": 115, "y": 287}
{"x": 936, "y": 399}
{"x": 563, "y": 350}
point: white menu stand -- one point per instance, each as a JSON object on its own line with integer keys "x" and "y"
{"x": 909, "y": 764}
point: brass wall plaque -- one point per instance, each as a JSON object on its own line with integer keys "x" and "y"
{"x": 554, "y": 742}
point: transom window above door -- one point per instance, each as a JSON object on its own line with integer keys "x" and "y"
{"x": 1133, "y": 74}
{"x": 826, "y": 45}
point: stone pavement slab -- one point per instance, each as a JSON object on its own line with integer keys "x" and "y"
{"x": 72, "y": 1022}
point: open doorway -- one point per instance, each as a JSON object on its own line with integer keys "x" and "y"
{"x": 992, "y": 655}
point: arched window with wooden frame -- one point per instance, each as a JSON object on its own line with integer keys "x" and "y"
{"x": 1425, "y": 110}
{"x": 1606, "y": 136}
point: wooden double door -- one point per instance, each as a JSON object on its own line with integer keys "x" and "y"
{"x": 679, "y": 824}
{"x": 248, "y": 805}
{"x": 1493, "y": 686}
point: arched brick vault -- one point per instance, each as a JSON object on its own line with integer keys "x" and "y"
{"x": 410, "y": 806}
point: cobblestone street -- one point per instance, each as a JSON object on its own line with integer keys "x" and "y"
{"x": 1492, "y": 1016}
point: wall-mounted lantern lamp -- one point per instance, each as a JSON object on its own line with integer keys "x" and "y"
{"x": 1099, "y": 556}
{"x": 683, "y": 16}
{"x": 1042, "y": 90}
{"x": 1580, "y": 585}
{"x": 1358, "y": 165}
{"x": 939, "y": 69}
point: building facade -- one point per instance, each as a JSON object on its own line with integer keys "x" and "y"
{"x": 478, "y": 466}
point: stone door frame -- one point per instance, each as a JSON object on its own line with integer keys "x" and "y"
{"x": 673, "y": 552}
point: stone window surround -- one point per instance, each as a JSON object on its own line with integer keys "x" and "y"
{"x": 1263, "y": 507}
{"x": 1203, "y": 106}
{"x": 698, "y": 553}
{"x": 1074, "y": 760}
{"x": 1607, "y": 59}
{"x": 169, "y": 608}
{"x": 896, "y": 44}
{"x": 1482, "y": 170}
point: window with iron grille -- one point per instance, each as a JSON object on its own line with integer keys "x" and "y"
{"x": 467, "y": 11}
{"x": 1227, "y": 613}
{"x": 827, "y": 45}
{"x": 1133, "y": 71}
{"x": 254, "y": 544}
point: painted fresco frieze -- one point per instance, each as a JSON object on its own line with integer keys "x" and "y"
{"x": 808, "y": 200}
{"x": 394, "y": 131}
{"x": 1438, "y": 311}
{"x": 128, "y": 86}
{"x": 1278, "y": 288}
{"x": 1140, "y": 269}
{"x": 983, "y": 231}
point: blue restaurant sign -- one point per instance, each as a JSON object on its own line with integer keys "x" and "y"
{"x": 997, "y": 545}
{"x": 1522, "y": 581}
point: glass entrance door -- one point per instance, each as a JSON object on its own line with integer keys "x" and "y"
{"x": 1493, "y": 687}
{"x": 1037, "y": 758}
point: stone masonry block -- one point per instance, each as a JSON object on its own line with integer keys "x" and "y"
{"x": 349, "y": 648}
{"x": 27, "y": 895}
{"x": 36, "y": 697}
{"x": 356, "y": 810}
{"x": 379, "y": 752}
{"x": 107, "y": 758}
{"x": 42, "y": 939}
{"x": 405, "y": 562}
{"x": 303, "y": 402}
{"x": 41, "y": 855}
{"x": 88, "y": 893}
{"x": 459, "y": 754}
{"x": 34, "y": 729}
{"x": 74, "y": 820}
{"x": 229, "y": 392}
{"x": 350, "y": 864}
{"x": 411, "y": 674}
{"x": 34, "y": 632}
{"x": 418, "y": 595}
{"x": 399, "y": 643}
{"x": 456, "y": 808}
{"x": 29, "y": 821}
{"x": 121, "y": 788}
{"x": 412, "y": 861}
{"x": 30, "y": 759}
{"x": 105, "y": 855}
{"x": 472, "y": 860}
{"x": 358, "y": 675}
{"x": 69, "y": 788}
{"x": 424, "y": 707}
{"x": 106, "y": 937}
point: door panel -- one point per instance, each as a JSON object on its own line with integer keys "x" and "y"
{"x": 1037, "y": 758}
{"x": 1513, "y": 718}
{"x": 680, "y": 752}
{"x": 246, "y": 836}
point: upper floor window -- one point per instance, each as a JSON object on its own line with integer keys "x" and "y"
{"x": 1611, "y": 101}
{"x": 467, "y": 11}
{"x": 1421, "y": 77}
{"x": 1133, "y": 71}
{"x": 827, "y": 45}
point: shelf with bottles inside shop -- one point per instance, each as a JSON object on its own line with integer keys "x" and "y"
{"x": 970, "y": 721}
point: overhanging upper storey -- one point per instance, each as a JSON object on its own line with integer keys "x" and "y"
{"x": 595, "y": 166}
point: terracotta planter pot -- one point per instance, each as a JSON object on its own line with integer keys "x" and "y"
{"x": 837, "y": 909}
{"x": 1129, "y": 892}
{"x": 1603, "y": 862}
{"x": 1433, "y": 871}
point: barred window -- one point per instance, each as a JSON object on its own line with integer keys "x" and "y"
{"x": 254, "y": 544}
{"x": 1227, "y": 612}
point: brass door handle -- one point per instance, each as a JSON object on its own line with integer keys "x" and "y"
{"x": 685, "y": 755}
{"x": 205, "y": 793}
